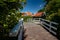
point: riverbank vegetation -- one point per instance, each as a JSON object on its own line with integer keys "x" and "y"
{"x": 9, "y": 15}
{"x": 52, "y": 10}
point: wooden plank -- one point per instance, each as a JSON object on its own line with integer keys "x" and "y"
{"x": 50, "y": 26}
{"x": 49, "y": 29}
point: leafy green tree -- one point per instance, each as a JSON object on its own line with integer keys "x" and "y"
{"x": 53, "y": 12}
{"x": 41, "y": 10}
{"x": 8, "y": 14}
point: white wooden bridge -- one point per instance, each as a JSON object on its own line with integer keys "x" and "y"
{"x": 35, "y": 30}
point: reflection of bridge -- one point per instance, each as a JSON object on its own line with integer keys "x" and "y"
{"x": 34, "y": 31}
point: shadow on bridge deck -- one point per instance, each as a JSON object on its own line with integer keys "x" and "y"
{"x": 36, "y": 32}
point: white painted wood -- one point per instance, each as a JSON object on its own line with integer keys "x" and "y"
{"x": 43, "y": 21}
{"x": 18, "y": 31}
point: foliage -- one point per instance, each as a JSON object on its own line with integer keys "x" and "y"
{"x": 8, "y": 13}
{"x": 51, "y": 17}
{"x": 52, "y": 8}
{"x": 26, "y": 17}
{"x": 41, "y": 10}
{"x": 53, "y": 12}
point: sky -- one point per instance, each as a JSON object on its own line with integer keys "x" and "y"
{"x": 33, "y": 6}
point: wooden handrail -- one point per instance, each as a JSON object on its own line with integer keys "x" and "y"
{"x": 50, "y": 27}
{"x": 15, "y": 31}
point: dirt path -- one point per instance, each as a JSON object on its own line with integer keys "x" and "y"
{"x": 37, "y": 32}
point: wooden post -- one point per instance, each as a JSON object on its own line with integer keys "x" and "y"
{"x": 50, "y": 27}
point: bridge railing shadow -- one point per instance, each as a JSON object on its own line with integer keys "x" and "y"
{"x": 49, "y": 25}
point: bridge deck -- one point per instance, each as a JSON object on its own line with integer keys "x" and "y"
{"x": 37, "y": 32}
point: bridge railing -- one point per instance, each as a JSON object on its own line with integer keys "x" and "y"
{"x": 17, "y": 29}
{"x": 50, "y": 26}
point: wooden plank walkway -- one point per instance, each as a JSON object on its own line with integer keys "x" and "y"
{"x": 36, "y": 32}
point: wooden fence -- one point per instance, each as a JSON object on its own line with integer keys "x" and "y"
{"x": 50, "y": 26}
{"x": 17, "y": 31}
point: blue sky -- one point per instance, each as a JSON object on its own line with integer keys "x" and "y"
{"x": 33, "y": 6}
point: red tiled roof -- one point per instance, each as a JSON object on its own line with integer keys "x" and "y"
{"x": 39, "y": 14}
{"x": 23, "y": 14}
{"x": 28, "y": 13}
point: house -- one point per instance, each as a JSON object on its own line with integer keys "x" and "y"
{"x": 23, "y": 14}
{"x": 39, "y": 15}
{"x": 27, "y": 14}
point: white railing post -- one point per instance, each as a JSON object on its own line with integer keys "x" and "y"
{"x": 50, "y": 26}
{"x": 40, "y": 20}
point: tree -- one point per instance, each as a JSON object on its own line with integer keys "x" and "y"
{"x": 53, "y": 13}
{"x": 41, "y": 10}
{"x": 52, "y": 7}
{"x": 8, "y": 14}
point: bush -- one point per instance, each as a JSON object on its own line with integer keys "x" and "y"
{"x": 55, "y": 18}
{"x": 26, "y": 17}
